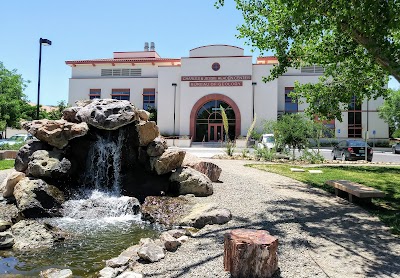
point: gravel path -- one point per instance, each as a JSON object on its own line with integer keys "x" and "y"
{"x": 319, "y": 235}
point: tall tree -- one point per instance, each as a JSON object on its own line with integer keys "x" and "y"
{"x": 57, "y": 113}
{"x": 12, "y": 98}
{"x": 357, "y": 42}
{"x": 390, "y": 110}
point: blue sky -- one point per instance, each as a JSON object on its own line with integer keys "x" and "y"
{"x": 90, "y": 29}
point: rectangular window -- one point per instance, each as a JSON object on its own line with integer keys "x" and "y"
{"x": 354, "y": 119}
{"x": 121, "y": 94}
{"x": 149, "y": 98}
{"x": 94, "y": 93}
{"x": 290, "y": 106}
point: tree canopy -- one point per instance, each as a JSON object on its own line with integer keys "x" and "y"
{"x": 12, "y": 98}
{"x": 357, "y": 43}
{"x": 390, "y": 110}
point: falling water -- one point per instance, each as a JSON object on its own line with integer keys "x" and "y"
{"x": 104, "y": 163}
{"x": 101, "y": 222}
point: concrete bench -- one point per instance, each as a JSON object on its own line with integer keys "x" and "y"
{"x": 355, "y": 191}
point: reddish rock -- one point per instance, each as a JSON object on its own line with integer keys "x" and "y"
{"x": 250, "y": 253}
{"x": 211, "y": 170}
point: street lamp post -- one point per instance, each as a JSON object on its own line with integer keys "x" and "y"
{"x": 41, "y": 42}
{"x": 174, "y": 85}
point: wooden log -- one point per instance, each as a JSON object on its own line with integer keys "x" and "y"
{"x": 250, "y": 253}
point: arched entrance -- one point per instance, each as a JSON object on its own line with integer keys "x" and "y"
{"x": 206, "y": 119}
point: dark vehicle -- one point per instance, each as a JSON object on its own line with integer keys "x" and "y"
{"x": 351, "y": 150}
{"x": 396, "y": 148}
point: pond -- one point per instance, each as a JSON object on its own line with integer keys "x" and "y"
{"x": 94, "y": 240}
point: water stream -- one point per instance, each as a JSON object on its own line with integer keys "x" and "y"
{"x": 101, "y": 221}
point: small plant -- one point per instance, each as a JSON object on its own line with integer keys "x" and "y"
{"x": 245, "y": 153}
{"x": 311, "y": 156}
{"x": 229, "y": 148}
{"x": 265, "y": 154}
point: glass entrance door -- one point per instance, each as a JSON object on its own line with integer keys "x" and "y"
{"x": 215, "y": 132}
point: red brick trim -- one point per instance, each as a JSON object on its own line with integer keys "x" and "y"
{"x": 210, "y": 97}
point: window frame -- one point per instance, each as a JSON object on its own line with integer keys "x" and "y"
{"x": 289, "y": 100}
{"x": 94, "y": 93}
{"x": 149, "y": 93}
{"x": 121, "y": 94}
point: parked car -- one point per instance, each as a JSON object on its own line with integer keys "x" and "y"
{"x": 352, "y": 150}
{"x": 266, "y": 141}
{"x": 396, "y": 148}
{"x": 15, "y": 139}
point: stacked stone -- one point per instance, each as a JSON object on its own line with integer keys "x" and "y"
{"x": 53, "y": 162}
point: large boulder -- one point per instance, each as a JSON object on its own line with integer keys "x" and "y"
{"x": 29, "y": 234}
{"x": 189, "y": 181}
{"x": 9, "y": 183}
{"x": 108, "y": 114}
{"x": 211, "y": 170}
{"x": 164, "y": 210}
{"x": 9, "y": 212}
{"x": 168, "y": 161}
{"x": 206, "y": 214}
{"x": 24, "y": 153}
{"x": 157, "y": 147}
{"x": 49, "y": 164}
{"x": 147, "y": 131}
{"x": 35, "y": 198}
{"x": 55, "y": 132}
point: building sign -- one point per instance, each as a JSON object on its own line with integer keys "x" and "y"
{"x": 216, "y": 78}
{"x": 216, "y": 84}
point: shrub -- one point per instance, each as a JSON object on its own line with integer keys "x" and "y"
{"x": 229, "y": 148}
{"x": 396, "y": 133}
{"x": 311, "y": 156}
{"x": 264, "y": 154}
{"x": 15, "y": 147}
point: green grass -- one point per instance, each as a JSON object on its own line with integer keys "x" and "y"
{"x": 6, "y": 164}
{"x": 386, "y": 179}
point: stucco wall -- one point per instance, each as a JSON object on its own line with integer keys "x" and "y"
{"x": 165, "y": 110}
{"x": 79, "y": 88}
{"x": 265, "y": 95}
{"x": 241, "y": 95}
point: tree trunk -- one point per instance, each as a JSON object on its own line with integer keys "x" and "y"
{"x": 250, "y": 253}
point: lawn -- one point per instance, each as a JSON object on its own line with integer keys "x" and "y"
{"x": 386, "y": 179}
{"x": 6, "y": 164}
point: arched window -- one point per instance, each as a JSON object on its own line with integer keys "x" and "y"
{"x": 209, "y": 124}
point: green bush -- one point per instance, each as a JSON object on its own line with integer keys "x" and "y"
{"x": 311, "y": 157}
{"x": 264, "y": 154}
{"x": 15, "y": 147}
{"x": 229, "y": 148}
{"x": 396, "y": 133}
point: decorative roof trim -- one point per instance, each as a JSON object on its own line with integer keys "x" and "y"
{"x": 216, "y": 45}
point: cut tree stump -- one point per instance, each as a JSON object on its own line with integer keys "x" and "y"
{"x": 250, "y": 253}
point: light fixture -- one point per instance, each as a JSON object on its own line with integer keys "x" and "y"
{"x": 41, "y": 42}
